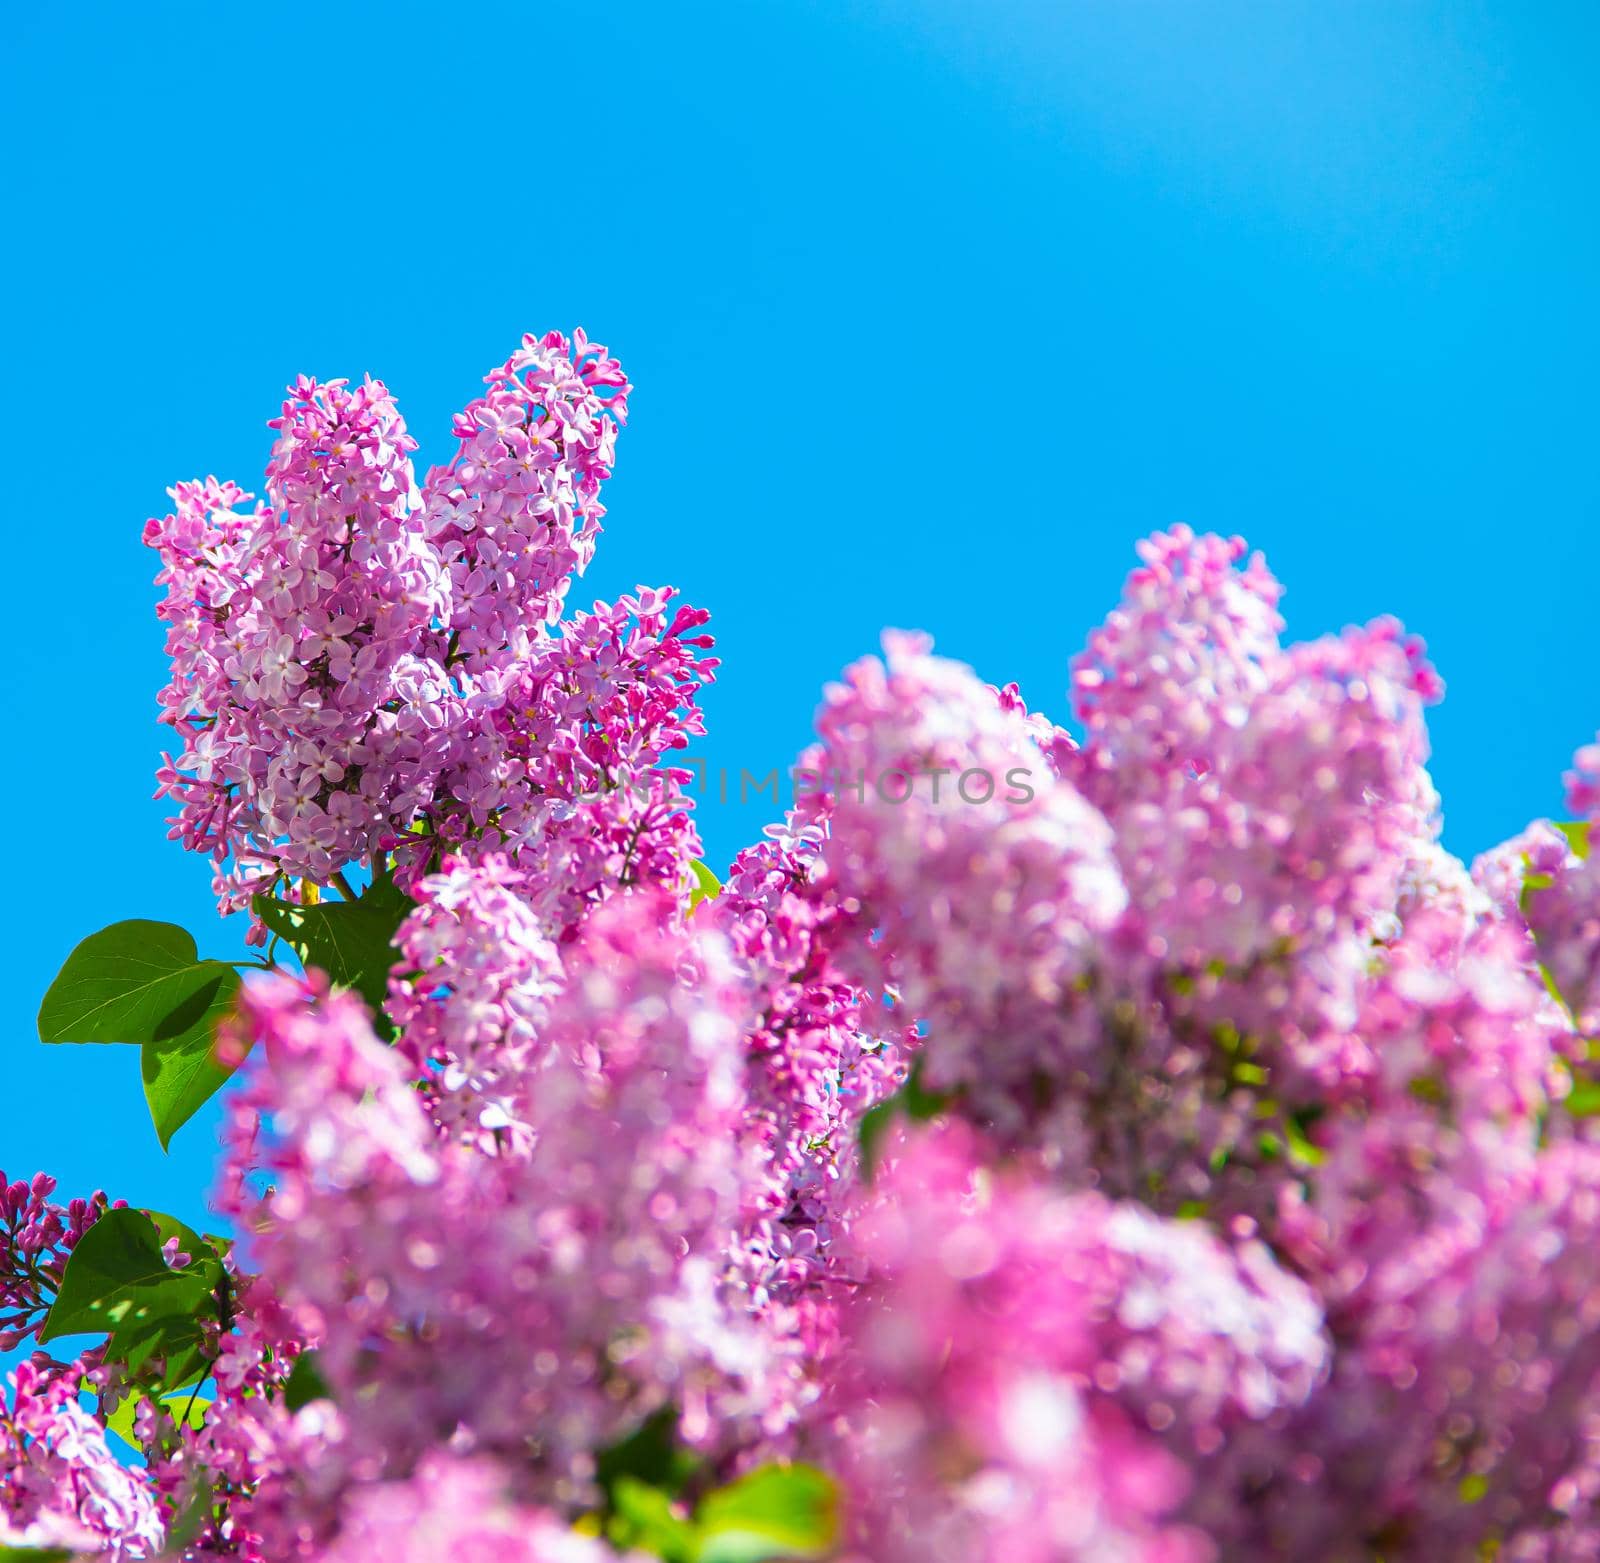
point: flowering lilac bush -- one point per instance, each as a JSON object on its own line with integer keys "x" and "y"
{"x": 1148, "y": 1147}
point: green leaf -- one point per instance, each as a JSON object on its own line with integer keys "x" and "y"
{"x": 305, "y": 1382}
{"x": 645, "y": 1518}
{"x": 706, "y": 887}
{"x": 34, "y": 1555}
{"x": 182, "y": 1073}
{"x": 117, "y": 1281}
{"x": 1578, "y": 835}
{"x": 779, "y": 1511}
{"x": 352, "y": 941}
{"x": 132, "y": 982}
{"x": 190, "y": 1242}
{"x": 921, "y": 1104}
{"x": 186, "y": 1406}
{"x": 1583, "y": 1100}
{"x": 650, "y": 1454}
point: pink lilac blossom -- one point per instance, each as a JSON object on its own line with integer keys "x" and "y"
{"x": 977, "y": 884}
{"x": 1264, "y": 800}
{"x": 564, "y": 776}
{"x": 578, "y": 1286}
{"x": 461, "y": 1510}
{"x": 1539, "y": 883}
{"x": 470, "y": 997}
{"x": 1037, "y": 1377}
{"x": 1462, "y": 1310}
{"x": 274, "y": 1477}
{"x": 820, "y": 1055}
{"x": 335, "y": 651}
{"x": 516, "y": 512}
{"x": 36, "y": 1237}
{"x": 60, "y": 1486}
{"x": 307, "y": 684}
{"x": 1180, "y": 661}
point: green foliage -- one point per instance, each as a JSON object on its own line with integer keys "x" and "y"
{"x": 34, "y": 1555}
{"x": 707, "y": 887}
{"x": 779, "y": 1511}
{"x": 118, "y": 1283}
{"x": 182, "y": 1073}
{"x": 647, "y": 1519}
{"x": 305, "y": 1382}
{"x": 187, "y": 1407}
{"x": 651, "y": 1455}
{"x": 142, "y": 983}
{"x": 132, "y": 982}
{"x": 352, "y": 941}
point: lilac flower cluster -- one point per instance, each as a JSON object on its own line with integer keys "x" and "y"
{"x": 60, "y": 1486}
{"x": 574, "y": 1277}
{"x": 1040, "y": 1375}
{"x": 1259, "y": 1214}
{"x": 36, "y": 1236}
{"x": 360, "y": 660}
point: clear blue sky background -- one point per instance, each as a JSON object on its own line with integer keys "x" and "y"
{"x": 933, "y": 309}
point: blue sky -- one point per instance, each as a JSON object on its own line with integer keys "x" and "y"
{"x": 933, "y": 310}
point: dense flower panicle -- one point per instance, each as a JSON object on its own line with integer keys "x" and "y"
{"x": 820, "y": 1055}
{"x": 274, "y": 1475}
{"x": 1411, "y": 1227}
{"x": 564, "y": 775}
{"x": 36, "y": 1237}
{"x": 307, "y": 681}
{"x": 471, "y": 995}
{"x": 822, "y": 1051}
{"x": 335, "y": 651}
{"x": 1461, "y": 1407}
{"x": 1296, "y": 832}
{"x": 1044, "y": 1377}
{"x": 1259, "y": 886}
{"x": 1539, "y": 883}
{"x": 577, "y": 1287}
{"x": 60, "y": 1486}
{"x": 989, "y": 883}
{"x": 516, "y": 513}
{"x": 638, "y": 1132}
{"x": 1179, "y": 662}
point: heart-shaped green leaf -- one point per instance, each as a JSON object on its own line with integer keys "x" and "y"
{"x": 132, "y": 982}
{"x": 118, "y": 1282}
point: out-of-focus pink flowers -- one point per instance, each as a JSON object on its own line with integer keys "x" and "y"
{"x": 1034, "y": 1375}
{"x": 576, "y": 1279}
{"x": 462, "y": 1511}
